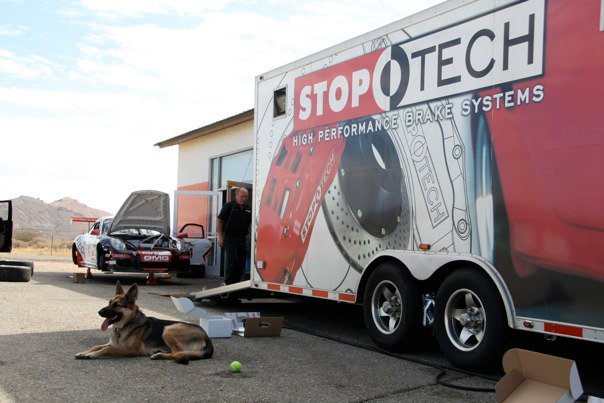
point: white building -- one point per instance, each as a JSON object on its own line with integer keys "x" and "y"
{"x": 210, "y": 160}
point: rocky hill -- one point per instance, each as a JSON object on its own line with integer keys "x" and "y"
{"x": 52, "y": 219}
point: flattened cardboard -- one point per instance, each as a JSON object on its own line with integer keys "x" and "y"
{"x": 537, "y": 377}
{"x": 214, "y": 326}
{"x": 251, "y": 324}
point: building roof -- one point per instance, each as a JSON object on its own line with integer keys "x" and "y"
{"x": 211, "y": 128}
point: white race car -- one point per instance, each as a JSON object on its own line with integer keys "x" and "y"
{"x": 138, "y": 239}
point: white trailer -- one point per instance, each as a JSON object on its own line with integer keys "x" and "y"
{"x": 444, "y": 170}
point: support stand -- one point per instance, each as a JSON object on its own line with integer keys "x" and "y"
{"x": 151, "y": 279}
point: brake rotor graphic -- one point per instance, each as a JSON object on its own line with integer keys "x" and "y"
{"x": 367, "y": 207}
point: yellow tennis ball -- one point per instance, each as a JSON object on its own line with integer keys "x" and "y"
{"x": 235, "y": 366}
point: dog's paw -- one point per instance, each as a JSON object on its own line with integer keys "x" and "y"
{"x": 83, "y": 356}
{"x": 155, "y": 356}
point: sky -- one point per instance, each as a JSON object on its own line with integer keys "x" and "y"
{"x": 87, "y": 87}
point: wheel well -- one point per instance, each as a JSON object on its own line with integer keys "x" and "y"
{"x": 436, "y": 279}
{"x": 370, "y": 269}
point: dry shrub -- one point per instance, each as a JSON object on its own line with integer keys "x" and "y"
{"x": 25, "y": 243}
{"x": 25, "y": 236}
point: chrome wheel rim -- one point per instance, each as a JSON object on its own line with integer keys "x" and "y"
{"x": 386, "y": 307}
{"x": 465, "y": 320}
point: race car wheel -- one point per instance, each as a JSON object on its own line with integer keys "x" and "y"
{"x": 15, "y": 273}
{"x": 30, "y": 265}
{"x": 469, "y": 321}
{"x": 493, "y": 228}
{"x": 392, "y": 307}
{"x": 74, "y": 254}
{"x": 492, "y": 221}
{"x": 101, "y": 259}
{"x": 483, "y": 176}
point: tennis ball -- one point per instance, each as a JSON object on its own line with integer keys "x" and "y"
{"x": 235, "y": 366}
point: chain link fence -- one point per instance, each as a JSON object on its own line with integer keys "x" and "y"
{"x": 46, "y": 241}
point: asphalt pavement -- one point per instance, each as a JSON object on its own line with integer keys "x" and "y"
{"x": 323, "y": 353}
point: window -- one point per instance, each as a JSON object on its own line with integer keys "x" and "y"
{"x": 4, "y": 210}
{"x": 233, "y": 167}
{"x": 279, "y": 102}
{"x": 106, "y": 225}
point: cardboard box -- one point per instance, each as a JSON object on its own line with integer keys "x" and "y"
{"x": 79, "y": 277}
{"x": 214, "y": 326}
{"x": 251, "y": 324}
{"x": 536, "y": 377}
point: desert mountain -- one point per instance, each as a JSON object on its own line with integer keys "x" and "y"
{"x": 52, "y": 219}
{"x": 80, "y": 209}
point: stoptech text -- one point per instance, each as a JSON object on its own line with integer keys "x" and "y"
{"x": 499, "y": 47}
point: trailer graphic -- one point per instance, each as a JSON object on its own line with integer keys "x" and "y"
{"x": 443, "y": 170}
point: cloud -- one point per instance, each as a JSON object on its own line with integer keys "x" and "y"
{"x": 83, "y": 121}
{"x": 13, "y": 31}
{"x": 138, "y": 8}
{"x": 211, "y": 63}
{"x": 99, "y": 160}
{"x": 26, "y": 67}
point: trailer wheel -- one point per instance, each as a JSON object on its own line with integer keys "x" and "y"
{"x": 15, "y": 273}
{"x": 470, "y": 323}
{"x": 392, "y": 307}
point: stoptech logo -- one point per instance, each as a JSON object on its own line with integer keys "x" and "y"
{"x": 318, "y": 196}
{"x": 503, "y": 46}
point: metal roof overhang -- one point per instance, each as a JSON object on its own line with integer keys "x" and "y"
{"x": 211, "y": 128}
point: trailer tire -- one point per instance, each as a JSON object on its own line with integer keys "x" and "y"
{"x": 15, "y": 273}
{"x": 470, "y": 321}
{"x": 18, "y": 263}
{"x": 392, "y": 307}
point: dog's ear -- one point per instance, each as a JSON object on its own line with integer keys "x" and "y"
{"x": 132, "y": 294}
{"x": 118, "y": 288}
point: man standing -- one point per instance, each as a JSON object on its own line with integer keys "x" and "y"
{"x": 233, "y": 225}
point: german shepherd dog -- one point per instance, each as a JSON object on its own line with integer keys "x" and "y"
{"x": 134, "y": 334}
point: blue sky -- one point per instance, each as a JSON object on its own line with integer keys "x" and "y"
{"x": 88, "y": 86}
